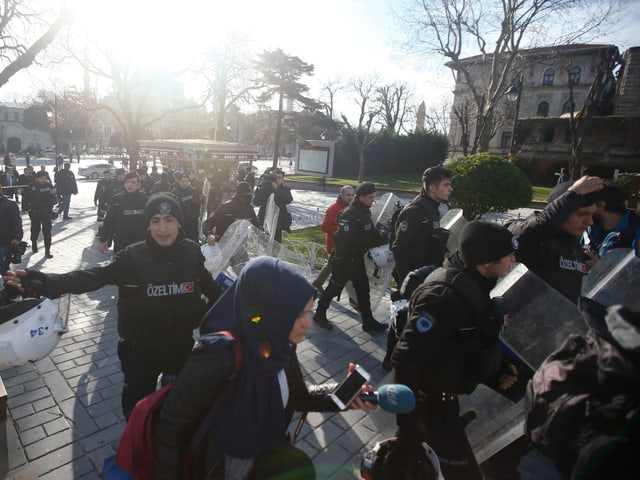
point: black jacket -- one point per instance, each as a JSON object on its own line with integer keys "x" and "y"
{"x": 548, "y": 251}
{"x": 66, "y": 182}
{"x": 10, "y": 221}
{"x": 229, "y": 212}
{"x": 200, "y": 383}
{"x": 160, "y": 290}
{"x": 42, "y": 198}
{"x": 125, "y": 218}
{"x": 356, "y": 232}
{"x": 418, "y": 240}
{"x": 450, "y": 342}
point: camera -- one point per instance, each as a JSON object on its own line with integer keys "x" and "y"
{"x": 17, "y": 251}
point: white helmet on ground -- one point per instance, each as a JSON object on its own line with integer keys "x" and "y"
{"x": 30, "y": 329}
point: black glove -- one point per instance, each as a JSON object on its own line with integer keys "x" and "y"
{"x": 34, "y": 284}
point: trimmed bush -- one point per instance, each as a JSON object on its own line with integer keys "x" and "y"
{"x": 485, "y": 182}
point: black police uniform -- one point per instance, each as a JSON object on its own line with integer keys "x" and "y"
{"x": 190, "y": 205}
{"x": 449, "y": 345}
{"x": 42, "y": 198}
{"x": 125, "y": 220}
{"x": 160, "y": 303}
{"x": 26, "y": 179}
{"x": 356, "y": 234}
{"x": 419, "y": 240}
{"x": 548, "y": 251}
{"x": 238, "y": 208}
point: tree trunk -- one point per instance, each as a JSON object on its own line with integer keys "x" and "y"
{"x": 276, "y": 140}
{"x": 361, "y": 162}
{"x": 133, "y": 150}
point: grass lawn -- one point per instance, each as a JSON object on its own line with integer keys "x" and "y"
{"x": 540, "y": 194}
{"x": 308, "y": 234}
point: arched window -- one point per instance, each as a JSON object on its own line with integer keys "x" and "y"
{"x": 547, "y": 79}
{"x": 543, "y": 109}
{"x": 567, "y": 106}
{"x": 574, "y": 75}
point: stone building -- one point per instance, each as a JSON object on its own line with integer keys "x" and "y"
{"x": 541, "y": 79}
{"x": 14, "y": 137}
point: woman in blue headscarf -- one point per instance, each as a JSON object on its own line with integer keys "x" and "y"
{"x": 268, "y": 312}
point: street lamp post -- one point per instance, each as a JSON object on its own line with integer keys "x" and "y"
{"x": 514, "y": 93}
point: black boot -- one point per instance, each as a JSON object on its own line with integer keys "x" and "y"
{"x": 320, "y": 319}
{"x": 371, "y": 325}
{"x": 34, "y": 247}
{"x": 47, "y": 254}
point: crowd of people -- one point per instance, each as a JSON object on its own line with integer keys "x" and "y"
{"x": 449, "y": 343}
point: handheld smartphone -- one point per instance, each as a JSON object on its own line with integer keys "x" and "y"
{"x": 350, "y": 387}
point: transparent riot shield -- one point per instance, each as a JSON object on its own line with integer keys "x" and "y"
{"x": 243, "y": 241}
{"x": 453, "y": 221}
{"x": 271, "y": 214}
{"x": 206, "y": 188}
{"x": 382, "y": 209}
{"x": 613, "y": 280}
{"x": 540, "y": 318}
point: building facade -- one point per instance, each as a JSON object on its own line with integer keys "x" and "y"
{"x": 540, "y": 79}
{"x": 14, "y": 137}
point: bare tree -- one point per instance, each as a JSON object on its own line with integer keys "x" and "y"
{"x": 437, "y": 117}
{"x": 330, "y": 89}
{"x": 498, "y": 30}
{"x": 17, "y": 52}
{"x": 369, "y": 110}
{"x": 579, "y": 124}
{"x": 139, "y": 98}
{"x": 231, "y": 80}
{"x": 393, "y": 100}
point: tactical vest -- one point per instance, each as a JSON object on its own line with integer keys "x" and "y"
{"x": 164, "y": 303}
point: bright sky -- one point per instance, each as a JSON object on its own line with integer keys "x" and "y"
{"x": 341, "y": 38}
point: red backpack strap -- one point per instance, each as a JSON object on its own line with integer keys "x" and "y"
{"x": 239, "y": 348}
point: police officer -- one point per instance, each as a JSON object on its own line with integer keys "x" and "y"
{"x": 550, "y": 239}
{"x": 419, "y": 241}
{"x": 356, "y": 234}
{"x": 42, "y": 198}
{"x": 238, "y": 208}
{"x": 125, "y": 218}
{"x": 65, "y": 186}
{"x": 449, "y": 345}
{"x": 161, "y": 281}
{"x": 190, "y": 203}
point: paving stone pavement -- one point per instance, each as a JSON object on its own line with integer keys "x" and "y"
{"x": 64, "y": 411}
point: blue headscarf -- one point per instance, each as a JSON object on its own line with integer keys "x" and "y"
{"x": 260, "y": 308}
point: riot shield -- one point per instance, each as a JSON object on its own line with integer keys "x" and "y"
{"x": 271, "y": 214}
{"x": 243, "y": 241}
{"x": 382, "y": 209}
{"x": 453, "y": 221}
{"x": 206, "y": 187}
{"x": 613, "y": 280}
{"x": 540, "y": 318}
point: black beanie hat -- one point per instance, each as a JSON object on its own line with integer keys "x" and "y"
{"x": 163, "y": 203}
{"x": 486, "y": 242}
{"x": 41, "y": 173}
{"x": 365, "y": 189}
